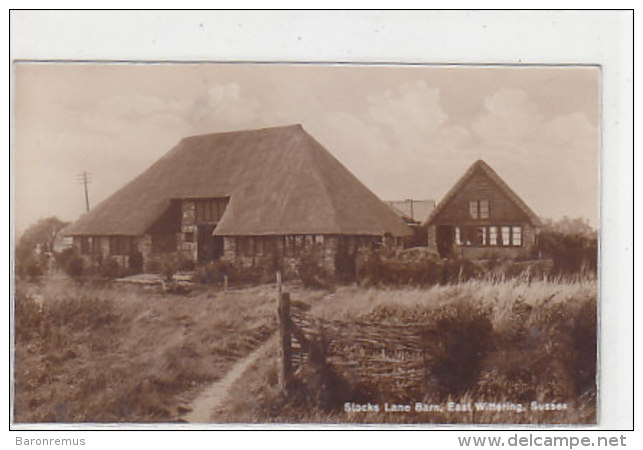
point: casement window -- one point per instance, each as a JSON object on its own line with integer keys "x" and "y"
{"x": 85, "y": 245}
{"x": 473, "y": 209}
{"x": 479, "y": 209}
{"x": 90, "y": 245}
{"x": 95, "y": 245}
{"x": 121, "y": 245}
{"x": 506, "y": 235}
{"x": 483, "y": 212}
{"x": 493, "y": 236}
{"x": 481, "y": 238}
{"x": 210, "y": 210}
{"x": 297, "y": 244}
{"x": 490, "y": 236}
{"x": 289, "y": 245}
{"x": 248, "y": 246}
{"x": 516, "y": 236}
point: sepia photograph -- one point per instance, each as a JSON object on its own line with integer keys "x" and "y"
{"x": 212, "y": 243}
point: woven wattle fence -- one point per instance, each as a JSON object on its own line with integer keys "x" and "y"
{"x": 390, "y": 359}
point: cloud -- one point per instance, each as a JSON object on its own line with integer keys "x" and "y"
{"x": 509, "y": 115}
{"x": 408, "y": 109}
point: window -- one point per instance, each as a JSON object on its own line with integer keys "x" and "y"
{"x": 516, "y": 236}
{"x": 248, "y": 246}
{"x": 482, "y": 236}
{"x": 506, "y": 235}
{"x": 95, "y": 244}
{"x": 473, "y": 209}
{"x": 85, "y": 245}
{"x": 479, "y": 209}
{"x": 484, "y": 209}
{"x": 121, "y": 245}
{"x": 493, "y": 236}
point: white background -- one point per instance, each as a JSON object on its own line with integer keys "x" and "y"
{"x": 603, "y": 38}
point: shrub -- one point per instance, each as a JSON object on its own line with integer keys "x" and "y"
{"x": 75, "y": 266}
{"x": 458, "y": 339}
{"x": 136, "y": 262}
{"x": 310, "y": 267}
{"x": 167, "y": 264}
{"x": 111, "y": 269}
{"x": 32, "y": 267}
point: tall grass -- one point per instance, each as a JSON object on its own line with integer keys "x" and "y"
{"x": 512, "y": 341}
{"x": 114, "y": 354}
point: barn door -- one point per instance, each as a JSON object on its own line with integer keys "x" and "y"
{"x": 209, "y": 248}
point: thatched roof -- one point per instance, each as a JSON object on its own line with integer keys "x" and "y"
{"x": 504, "y": 187}
{"x": 279, "y": 181}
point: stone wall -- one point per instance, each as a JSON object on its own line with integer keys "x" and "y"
{"x": 188, "y": 225}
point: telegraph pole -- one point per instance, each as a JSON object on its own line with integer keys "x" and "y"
{"x": 85, "y": 178}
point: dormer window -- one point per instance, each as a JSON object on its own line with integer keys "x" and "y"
{"x": 479, "y": 209}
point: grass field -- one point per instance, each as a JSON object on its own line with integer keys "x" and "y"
{"x": 109, "y": 353}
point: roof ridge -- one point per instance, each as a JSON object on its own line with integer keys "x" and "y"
{"x": 244, "y": 131}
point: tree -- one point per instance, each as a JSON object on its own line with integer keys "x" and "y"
{"x": 38, "y": 238}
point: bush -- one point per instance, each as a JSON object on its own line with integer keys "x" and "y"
{"x": 458, "y": 340}
{"x": 111, "y": 269}
{"x": 167, "y": 264}
{"x": 136, "y": 262}
{"x": 571, "y": 253}
{"x": 32, "y": 267}
{"x": 310, "y": 267}
{"x": 75, "y": 266}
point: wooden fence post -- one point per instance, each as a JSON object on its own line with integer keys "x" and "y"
{"x": 285, "y": 372}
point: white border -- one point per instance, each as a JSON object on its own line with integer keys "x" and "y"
{"x": 544, "y": 37}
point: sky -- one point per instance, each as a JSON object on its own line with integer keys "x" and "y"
{"x": 404, "y": 131}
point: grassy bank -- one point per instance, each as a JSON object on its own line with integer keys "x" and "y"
{"x": 109, "y": 353}
{"x": 509, "y": 343}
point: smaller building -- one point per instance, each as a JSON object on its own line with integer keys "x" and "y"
{"x": 482, "y": 217}
{"x": 414, "y": 213}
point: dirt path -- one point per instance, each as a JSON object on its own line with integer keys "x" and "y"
{"x": 213, "y": 396}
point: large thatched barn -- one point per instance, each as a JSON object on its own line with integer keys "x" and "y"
{"x": 481, "y": 216}
{"x": 242, "y": 195}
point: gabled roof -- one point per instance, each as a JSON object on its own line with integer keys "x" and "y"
{"x": 483, "y": 166}
{"x": 278, "y": 180}
{"x": 414, "y": 210}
